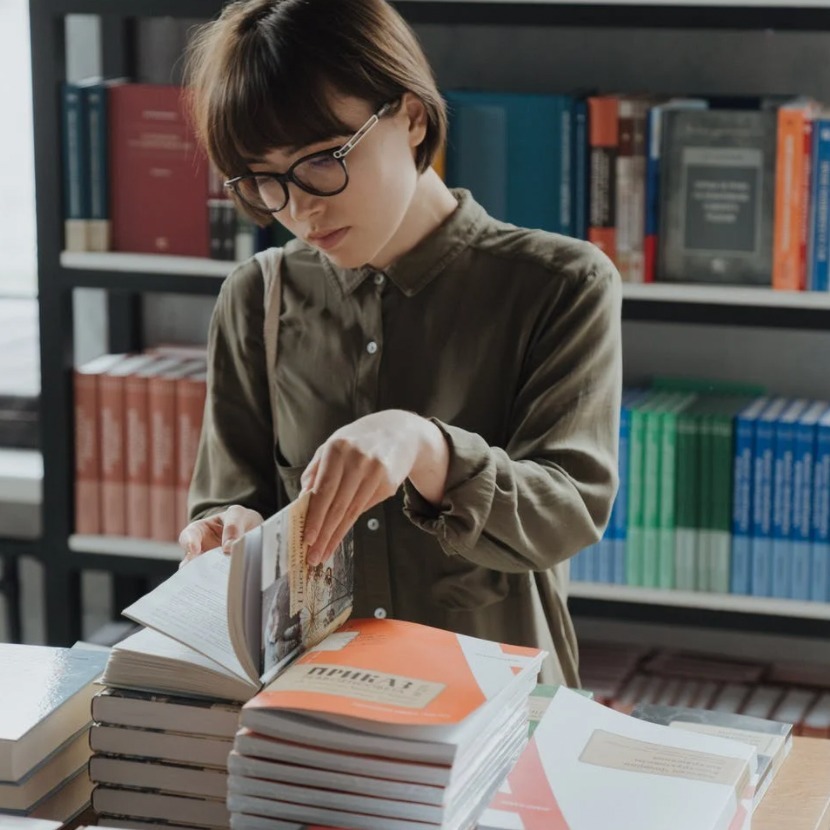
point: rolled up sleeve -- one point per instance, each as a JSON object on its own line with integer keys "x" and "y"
{"x": 548, "y": 492}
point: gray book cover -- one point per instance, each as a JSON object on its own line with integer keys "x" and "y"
{"x": 717, "y": 199}
{"x": 771, "y": 739}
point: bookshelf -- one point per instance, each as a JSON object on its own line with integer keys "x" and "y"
{"x": 126, "y": 277}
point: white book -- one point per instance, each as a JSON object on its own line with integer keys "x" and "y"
{"x": 176, "y": 779}
{"x": 43, "y": 779}
{"x": 162, "y": 746}
{"x": 160, "y": 807}
{"x": 227, "y": 624}
{"x": 588, "y": 766}
{"x": 44, "y": 701}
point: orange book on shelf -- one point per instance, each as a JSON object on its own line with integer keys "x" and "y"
{"x": 114, "y": 444}
{"x": 161, "y": 403}
{"x": 789, "y": 266}
{"x": 190, "y": 406}
{"x": 603, "y": 145}
{"x": 87, "y": 411}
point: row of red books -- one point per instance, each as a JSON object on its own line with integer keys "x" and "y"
{"x": 625, "y": 676}
{"x": 138, "y": 418}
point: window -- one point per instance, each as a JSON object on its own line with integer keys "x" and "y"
{"x": 18, "y": 267}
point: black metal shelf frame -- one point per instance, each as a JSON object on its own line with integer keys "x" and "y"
{"x": 56, "y": 284}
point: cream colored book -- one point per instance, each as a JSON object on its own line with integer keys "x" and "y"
{"x": 224, "y": 625}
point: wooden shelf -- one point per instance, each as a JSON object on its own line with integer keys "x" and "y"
{"x": 120, "y": 546}
{"x": 726, "y": 295}
{"x": 729, "y": 603}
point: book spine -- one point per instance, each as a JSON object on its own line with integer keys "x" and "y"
{"x": 742, "y": 505}
{"x": 782, "y": 510}
{"x": 603, "y": 140}
{"x": 820, "y": 524}
{"x": 87, "y": 455}
{"x": 762, "y": 510}
{"x": 789, "y": 167}
{"x": 688, "y": 501}
{"x": 722, "y": 452}
{"x": 703, "y": 549}
{"x": 652, "y": 195}
{"x": 75, "y": 162}
{"x": 580, "y": 176}
{"x": 96, "y": 115}
{"x": 162, "y": 415}
{"x": 638, "y": 195}
{"x": 190, "y": 405}
{"x": 668, "y": 499}
{"x": 801, "y": 508}
{"x": 620, "y": 511}
{"x": 820, "y": 209}
{"x": 138, "y": 456}
{"x": 566, "y": 165}
{"x": 651, "y": 498}
{"x": 804, "y": 205}
{"x": 625, "y": 189}
{"x": 113, "y": 503}
{"x": 636, "y": 457}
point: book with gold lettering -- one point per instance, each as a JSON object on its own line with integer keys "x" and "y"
{"x": 224, "y": 625}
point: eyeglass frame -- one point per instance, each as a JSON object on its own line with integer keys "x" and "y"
{"x": 338, "y": 153}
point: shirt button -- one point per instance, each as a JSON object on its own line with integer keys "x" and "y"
{"x": 371, "y": 347}
{"x": 373, "y": 524}
{"x": 380, "y": 613}
{"x": 380, "y": 279}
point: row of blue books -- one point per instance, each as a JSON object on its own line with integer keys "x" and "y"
{"x": 719, "y": 493}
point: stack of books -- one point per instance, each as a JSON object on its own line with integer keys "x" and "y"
{"x": 771, "y": 739}
{"x": 588, "y": 766}
{"x": 45, "y": 698}
{"x": 386, "y": 724}
{"x": 160, "y": 758}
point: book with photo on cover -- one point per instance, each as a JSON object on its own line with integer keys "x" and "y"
{"x": 224, "y": 625}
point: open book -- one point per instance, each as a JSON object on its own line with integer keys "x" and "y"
{"x": 224, "y": 625}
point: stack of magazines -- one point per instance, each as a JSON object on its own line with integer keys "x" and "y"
{"x": 385, "y": 724}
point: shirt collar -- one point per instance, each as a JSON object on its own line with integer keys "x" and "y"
{"x": 420, "y": 265}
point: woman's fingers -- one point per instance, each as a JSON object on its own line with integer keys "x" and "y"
{"x": 236, "y": 522}
{"x": 346, "y": 505}
{"x": 329, "y": 474}
{"x": 369, "y": 493}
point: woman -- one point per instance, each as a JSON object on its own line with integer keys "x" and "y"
{"x": 446, "y": 383}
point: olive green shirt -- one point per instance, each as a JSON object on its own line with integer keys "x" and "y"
{"x": 509, "y": 339}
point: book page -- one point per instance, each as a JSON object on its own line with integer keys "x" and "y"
{"x": 300, "y": 605}
{"x": 191, "y": 607}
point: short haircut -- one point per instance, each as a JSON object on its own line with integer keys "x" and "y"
{"x": 261, "y": 76}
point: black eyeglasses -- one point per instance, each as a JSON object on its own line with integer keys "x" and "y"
{"x": 322, "y": 173}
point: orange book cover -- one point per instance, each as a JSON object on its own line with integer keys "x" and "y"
{"x": 161, "y": 403}
{"x": 191, "y": 393}
{"x": 603, "y": 145}
{"x": 788, "y": 266}
{"x": 87, "y": 412}
{"x": 396, "y": 672}
{"x": 113, "y": 445}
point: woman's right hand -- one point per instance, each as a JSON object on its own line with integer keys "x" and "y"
{"x": 221, "y": 530}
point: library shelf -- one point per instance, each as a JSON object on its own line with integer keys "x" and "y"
{"x": 123, "y": 546}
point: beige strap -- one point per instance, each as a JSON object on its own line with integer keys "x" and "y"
{"x": 270, "y": 262}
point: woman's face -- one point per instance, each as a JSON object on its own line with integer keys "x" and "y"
{"x": 357, "y": 225}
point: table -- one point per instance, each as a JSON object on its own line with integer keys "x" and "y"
{"x": 799, "y": 797}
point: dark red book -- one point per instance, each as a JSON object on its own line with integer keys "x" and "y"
{"x": 158, "y": 174}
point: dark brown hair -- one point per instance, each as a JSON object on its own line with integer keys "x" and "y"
{"x": 261, "y": 75}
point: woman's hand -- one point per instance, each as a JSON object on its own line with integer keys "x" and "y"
{"x": 365, "y": 463}
{"x": 216, "y": 531}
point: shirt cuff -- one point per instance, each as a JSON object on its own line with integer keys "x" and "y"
{"x": 458, "y": 521}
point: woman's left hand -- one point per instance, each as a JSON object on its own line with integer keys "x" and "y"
{"x": 364, "y": 463}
